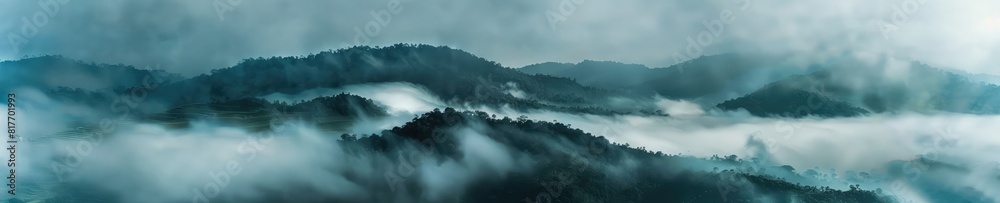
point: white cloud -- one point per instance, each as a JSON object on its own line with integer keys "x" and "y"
{"x": 188, "y": 37}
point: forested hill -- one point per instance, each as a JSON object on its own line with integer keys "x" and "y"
{"x": 706, "y": 79}
{"x": 586, "y": 168}
{"x": 780, "y": 101}
{"x": 876, "y": 88}
{"x": 604, "y": 74}
{"x": 50, "y": 72}
{"x": 461, "y": 78}
{"x": 453, "y": 75}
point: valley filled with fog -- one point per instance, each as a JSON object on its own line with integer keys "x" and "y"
{"x": 501, "y": 101}
{"x": 282, "y": 133}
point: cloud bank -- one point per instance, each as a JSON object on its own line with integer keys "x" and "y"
{"x": 192, "y": 37}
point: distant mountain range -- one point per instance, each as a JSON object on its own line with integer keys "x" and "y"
{"x": 51, "y": 72}
{"x": 454, "y": 76}
{"x": 764, "y": 86}
{"x": 976, "y": 77}
{"x": 876, "y": 88}
{"x": 705, "y": 80}
{"x": 768, "y": 86}
{"x": 761, "y": 84}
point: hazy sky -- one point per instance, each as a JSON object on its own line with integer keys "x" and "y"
{"x": 194, "y": 36}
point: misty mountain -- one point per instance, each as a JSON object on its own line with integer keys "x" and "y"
{"x": 512, "y": 159}
{"x": 883, "y": 86}
{"x": 51, "y": 72}
{"x": 603, "y": 74}
{"x": 461, "y": 78}
{"x": 706, "y": 79}
{"x": 781, "y": 101}
{"x": 573, "y": 166}
{"x": 977, "y": 77}
{"x": 455, "y": 76}
{"x": 841, "y": 84}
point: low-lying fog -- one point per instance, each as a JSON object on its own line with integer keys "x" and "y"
{"x": 142, "y": 162}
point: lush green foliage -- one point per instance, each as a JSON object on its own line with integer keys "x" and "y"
{"x": 575, "y": 166}
{"x": 777, "y": 101}
{"x": 453, "y": 75}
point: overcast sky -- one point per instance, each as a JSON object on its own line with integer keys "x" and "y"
{"x": 194, "y": 36}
